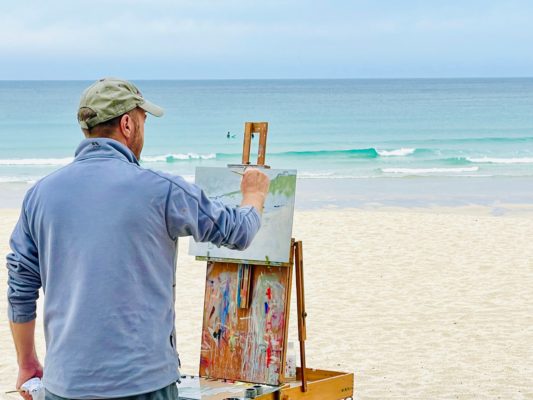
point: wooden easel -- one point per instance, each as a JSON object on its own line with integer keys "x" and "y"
{"x": 296, "y": 249}
{"x": 310, "y": 384}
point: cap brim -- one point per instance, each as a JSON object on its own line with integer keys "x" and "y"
{"x": 152, "y": 109}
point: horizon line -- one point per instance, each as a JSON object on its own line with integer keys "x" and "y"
{"x": 275, "y": 79}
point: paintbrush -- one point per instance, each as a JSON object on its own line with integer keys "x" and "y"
{"x": 237, "y": 172}
{"x": 15, "y": 391}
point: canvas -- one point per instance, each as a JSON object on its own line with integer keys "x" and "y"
{"x": 272, "y": 244}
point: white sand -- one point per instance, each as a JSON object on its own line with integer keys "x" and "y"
{"x": 420, "y": 304}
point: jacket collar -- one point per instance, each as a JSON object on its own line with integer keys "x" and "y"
{"x": 104, "y": 147}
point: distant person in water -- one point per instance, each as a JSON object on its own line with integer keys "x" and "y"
{"x": 228, "y": 135}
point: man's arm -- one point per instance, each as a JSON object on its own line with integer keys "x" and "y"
{"x": 24, "y": 281}
{"x": 29, "y": 365}
{"x": 189, "y": 212}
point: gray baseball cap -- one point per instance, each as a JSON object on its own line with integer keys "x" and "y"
{"x": 112, "y": 97}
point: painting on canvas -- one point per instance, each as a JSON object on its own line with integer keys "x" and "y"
{"x": 272, "y": 243}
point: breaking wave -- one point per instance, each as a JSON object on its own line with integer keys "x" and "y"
{"x": 169, "y": 158}
{"x": 396, "y": 153}
{"x": 489, "y": 160}
{"x": 415, "y": 171}
{"x": 36, "y": 161}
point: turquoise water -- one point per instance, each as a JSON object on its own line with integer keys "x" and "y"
{"x": 350, "y": 130}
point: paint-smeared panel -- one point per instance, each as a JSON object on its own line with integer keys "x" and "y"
{"x": 245, "y": 344}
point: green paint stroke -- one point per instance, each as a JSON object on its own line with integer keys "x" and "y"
{"x": 284, "y": 185}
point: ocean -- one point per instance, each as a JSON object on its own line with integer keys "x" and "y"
{"x": 353, "y": 142}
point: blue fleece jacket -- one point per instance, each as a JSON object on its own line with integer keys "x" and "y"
{"x": 100, "y": 236}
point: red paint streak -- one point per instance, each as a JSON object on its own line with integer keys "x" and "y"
{"x": 204, "y": 361}
{"x": 269, "y": 293}
{"x": 269, "y": 354}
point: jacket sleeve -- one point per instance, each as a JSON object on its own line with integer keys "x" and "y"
{"x": 189, "y": 212}
{"x": 24, "y": 278}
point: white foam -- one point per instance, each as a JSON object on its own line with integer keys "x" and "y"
{"x": 178, "y": 157}
{"x": 331, "y": 175}
{"x": 154, "y": 159}
{"x": 396, "y": 153}
{"x": 36, "y": 161}
{"x": 188, "y": 178}
{"x": 428, "y": 170}
{"x": 18, "y": 179}
{"x": 316, "y": 175}
{"x": 488, "y": 160}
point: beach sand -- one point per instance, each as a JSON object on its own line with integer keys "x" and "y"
{"x": 418, "y": 303}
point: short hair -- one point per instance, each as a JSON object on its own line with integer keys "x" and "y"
{"x": 104, "y": 129}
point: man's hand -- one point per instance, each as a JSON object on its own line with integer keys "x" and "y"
{"x": 28, "y": 369}
{"x": 254, "y": 188}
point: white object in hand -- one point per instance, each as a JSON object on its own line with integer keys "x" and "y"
{"x": 35, "y": 388}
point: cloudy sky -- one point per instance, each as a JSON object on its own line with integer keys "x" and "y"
{"x": 197, "y": 39}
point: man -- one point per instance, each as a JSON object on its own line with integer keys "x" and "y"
{"x": 100, "y": 236}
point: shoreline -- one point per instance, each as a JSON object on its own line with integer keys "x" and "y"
{"x": 500, "y": 211}
{"x": 499, "y": 193}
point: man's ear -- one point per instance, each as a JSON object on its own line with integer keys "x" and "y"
{"x": 126, "y": 126}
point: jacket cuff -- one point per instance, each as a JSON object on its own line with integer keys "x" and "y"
{"x": 19, "y": 318}
{"x": 253, "y": 211}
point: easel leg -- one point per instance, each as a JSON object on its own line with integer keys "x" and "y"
{"x": 302, "y": 335}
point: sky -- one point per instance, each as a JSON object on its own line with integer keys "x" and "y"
{"x": 247, "y": 39}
